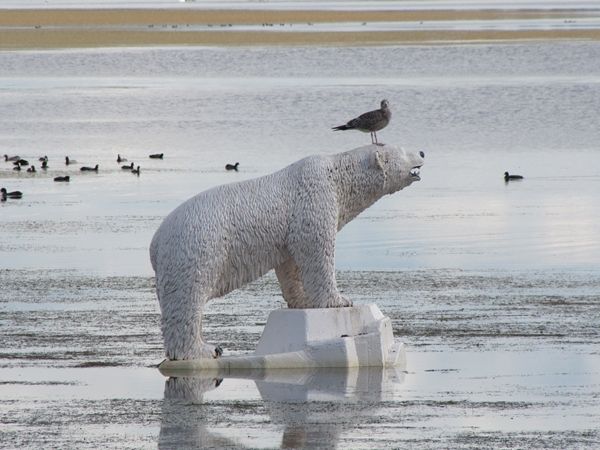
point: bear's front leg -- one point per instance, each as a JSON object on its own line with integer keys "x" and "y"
{"x": 312, "y": 248}
{"x": 321, "y": 287}
{"x": 288, "y": 275}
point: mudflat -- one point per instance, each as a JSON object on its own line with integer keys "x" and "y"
{"x": 64, "y": 28}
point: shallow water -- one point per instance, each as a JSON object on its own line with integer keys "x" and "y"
{"x": 493, "y": 286}
{"x": 475, "y": 110}
{"x": 501, "y": 357}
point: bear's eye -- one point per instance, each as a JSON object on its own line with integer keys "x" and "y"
{"x": 422, "y": 153}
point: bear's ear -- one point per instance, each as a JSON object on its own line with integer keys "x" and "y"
{"x": 379, "y": 160}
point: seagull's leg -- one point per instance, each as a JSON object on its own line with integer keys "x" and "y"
{"x": 372, "y": 141}
{"x": 376, "y": 142}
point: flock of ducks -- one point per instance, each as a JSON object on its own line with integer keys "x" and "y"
{"x": 369, "y": 122}
{"x": 19, "y": 163}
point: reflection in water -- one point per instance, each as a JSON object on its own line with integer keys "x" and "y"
{"x": 184, "y": 418}
{"x": 314, "y": 406}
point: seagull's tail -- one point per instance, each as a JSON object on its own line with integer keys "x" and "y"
{"x": 341, "y": 127}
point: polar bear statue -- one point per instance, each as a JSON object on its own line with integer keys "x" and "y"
{"x": 229, "y": 235}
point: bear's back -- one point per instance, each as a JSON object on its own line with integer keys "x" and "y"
{"x": 225, "y": 209}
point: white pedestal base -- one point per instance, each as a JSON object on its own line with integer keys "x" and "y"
{"x": 360, "y": 336}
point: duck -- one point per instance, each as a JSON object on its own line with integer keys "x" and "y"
{"x": 120, "y": 159}
{"x": 13, "y": 194}
{"x": 44, "y": 165}
{"x": 232, "y": 166}
{"x": 89, "y": 169}
{"x": 69, "y": 161}
{"x": 17, "y": 167}
{"x": 43, "y": 158}
{"x": 129, "y": 167}
{"x": 11, "y": 158}
{"x": 157, "y": 156}
{"x": 508, "y": 177}
{"x": 31, "y": 169}
{"x": 136, "y": 171}
{"x": 21, "y": 162}
{"x": 66, "y": 178}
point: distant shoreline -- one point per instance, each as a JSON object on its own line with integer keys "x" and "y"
{"x": 81, "y": 28}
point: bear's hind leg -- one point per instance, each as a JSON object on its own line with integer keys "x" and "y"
{"x": 181, "y": 322}
{"x": 182, "y": 334}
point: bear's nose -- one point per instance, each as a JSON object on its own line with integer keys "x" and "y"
{"x": 422, "y": 153}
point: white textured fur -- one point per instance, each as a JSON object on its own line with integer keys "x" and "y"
{"x": 230, "y": 235}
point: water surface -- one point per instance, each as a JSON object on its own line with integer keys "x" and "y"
{"x": 492, "y": 286}
{"x": 476, "y": 111}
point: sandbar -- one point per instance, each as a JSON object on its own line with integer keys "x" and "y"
{"x": 80, "y": 28}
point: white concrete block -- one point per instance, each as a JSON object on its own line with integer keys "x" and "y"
{"x": 360, "y": 336}
{"x": 293, "y": 329}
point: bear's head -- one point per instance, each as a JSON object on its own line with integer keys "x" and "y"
{"x": 400, "y": 167}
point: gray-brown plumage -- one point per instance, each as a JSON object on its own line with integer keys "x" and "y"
{"x": 370, "y": 122}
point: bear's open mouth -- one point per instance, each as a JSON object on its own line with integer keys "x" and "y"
{"x": 415, "y": 172}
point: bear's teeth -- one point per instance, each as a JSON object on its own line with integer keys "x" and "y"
{"x": 415, "y": 172}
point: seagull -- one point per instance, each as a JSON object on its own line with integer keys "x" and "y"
{"x": 508, "y": 177}
{"x": 370, "y": 122}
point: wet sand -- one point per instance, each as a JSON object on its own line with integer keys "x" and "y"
{"x": 496, "y": 359}
{"x": 64, "y": 28}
